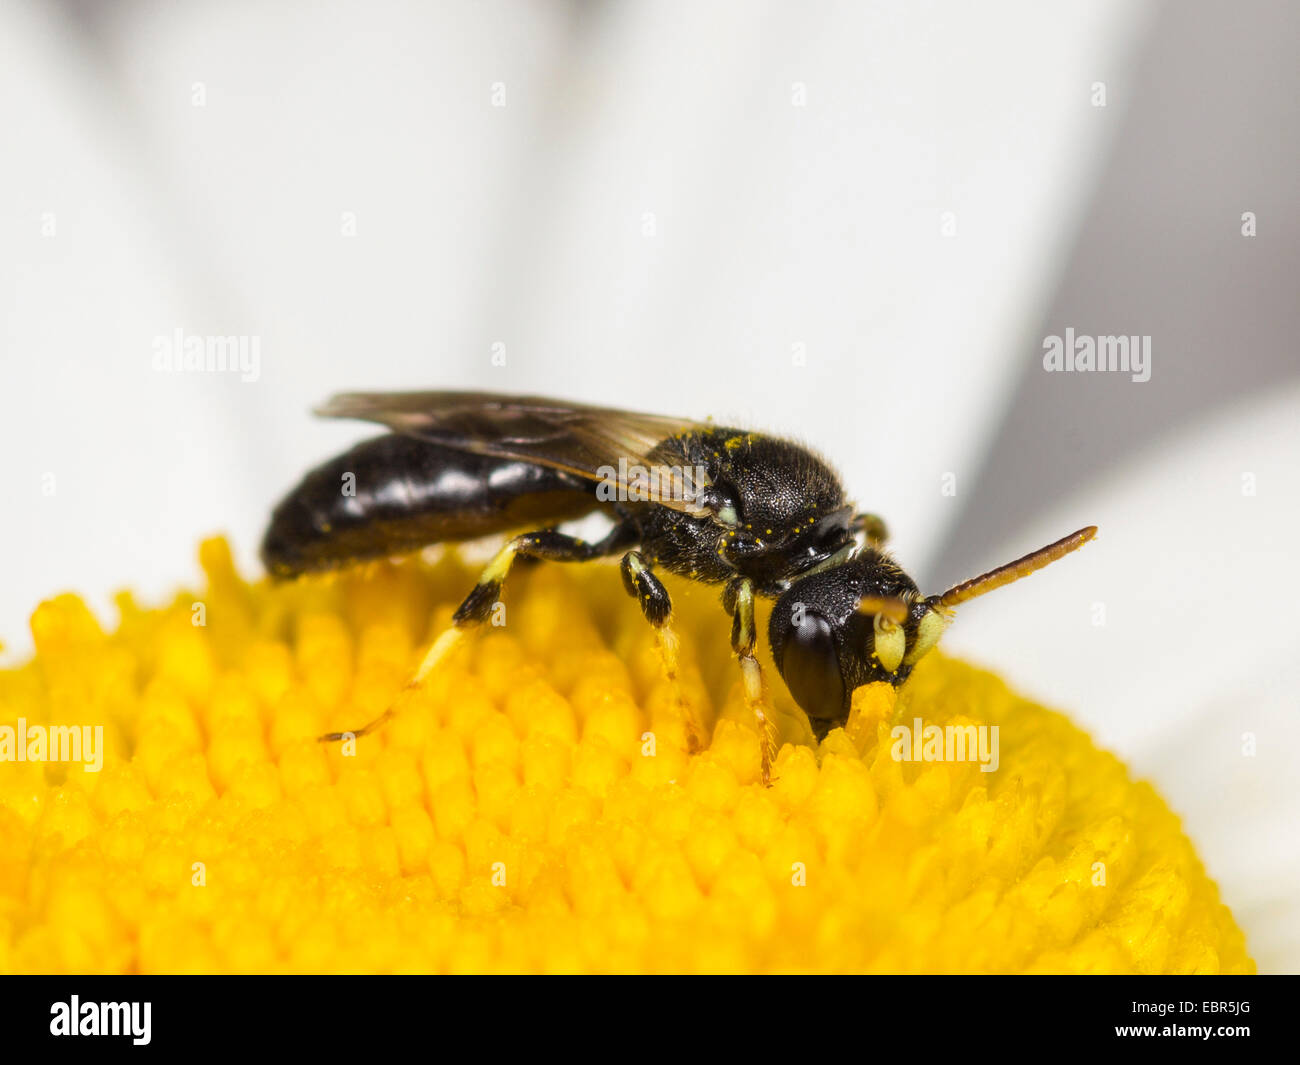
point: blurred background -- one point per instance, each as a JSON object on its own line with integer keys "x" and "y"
{"x": 853, "y": 223}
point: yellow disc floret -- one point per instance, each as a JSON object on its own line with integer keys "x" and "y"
{"x": 536, "y": 805}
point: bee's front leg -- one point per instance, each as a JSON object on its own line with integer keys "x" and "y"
{"x": 739, "y": 599}
{"x": 872, "y": 527}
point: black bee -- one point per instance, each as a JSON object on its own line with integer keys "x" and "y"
{"x": 759, "y": 515}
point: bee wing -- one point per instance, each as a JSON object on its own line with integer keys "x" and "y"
{"x": 597, "y": 443}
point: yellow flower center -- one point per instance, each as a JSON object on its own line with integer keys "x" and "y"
{"x": 536, "y": 806}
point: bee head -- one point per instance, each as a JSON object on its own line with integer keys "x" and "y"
{"x": 849, "y": 625}
{"x": 865, "y": 621}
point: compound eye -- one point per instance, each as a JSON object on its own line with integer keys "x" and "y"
{"x": 811, "y": 668}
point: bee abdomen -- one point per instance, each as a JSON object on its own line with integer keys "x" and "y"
{"x": 396, "y": 494}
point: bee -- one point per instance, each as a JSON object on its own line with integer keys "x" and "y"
{"x": 758, "y": 515}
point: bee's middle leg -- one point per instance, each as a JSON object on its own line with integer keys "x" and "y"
{"x": 547, "y": 544}
{"x": 657, "y": 607}
{"x": 739, "y": 601}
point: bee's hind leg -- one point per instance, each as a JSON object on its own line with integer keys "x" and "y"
{"x": 738, "y": 599}
{"x": 657, "y": 607}
{"x": 477, "y": 606}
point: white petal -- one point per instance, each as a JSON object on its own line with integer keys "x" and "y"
{"x": 651, "y": 221}
{"x": 1174, "y": 640}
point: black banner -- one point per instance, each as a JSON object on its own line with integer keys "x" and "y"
{"x": 338, "y": 1014}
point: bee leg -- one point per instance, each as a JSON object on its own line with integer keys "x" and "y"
{"x": 872, "y": 527}
{"x": 477, "y": 606}
{"x": 739, "y": 595}
{"x": 657, "y": 607}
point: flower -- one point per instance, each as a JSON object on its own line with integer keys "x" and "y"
{"x": 536, "y": 806}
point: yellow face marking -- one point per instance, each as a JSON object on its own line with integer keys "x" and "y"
{"x": 927, "y": 635}
{"x": 891, "y": 643}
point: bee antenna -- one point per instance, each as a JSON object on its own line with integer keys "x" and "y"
{"x": 1013, "y": 571}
